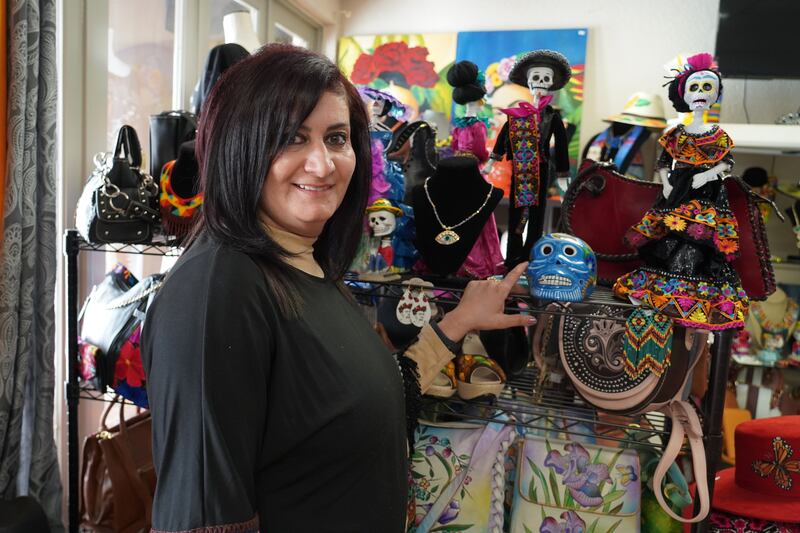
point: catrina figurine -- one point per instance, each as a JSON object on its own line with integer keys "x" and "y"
{"x": 387, "y": 185}
{"x": 469, "y": 134}
{"x": 689, "y": 238}
{"x": 388, "y": 180}
{"x": 525, "y": 140}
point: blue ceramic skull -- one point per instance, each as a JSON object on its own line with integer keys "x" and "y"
{"x": 562, "y": 267}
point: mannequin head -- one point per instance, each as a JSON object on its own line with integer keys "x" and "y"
{"x": 238, "y": 28}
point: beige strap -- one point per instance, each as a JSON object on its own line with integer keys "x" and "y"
{"x": 684, "y": 422}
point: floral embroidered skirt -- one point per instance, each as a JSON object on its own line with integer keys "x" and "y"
{"x": 687, "y": 273}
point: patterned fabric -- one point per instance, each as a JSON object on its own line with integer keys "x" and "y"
{"x": 695, "y": 302}
{"x": 725, "y": 523}
{"x": 470, "y": 139}
{"x": 87, "y": 366}
{"x": 393, "y": 187}
{"x": 697, "y": 221}
{"x": 463, "y": 122}
{"x": 28, "y": 463}
{"x": 688, "y": 240}
{"x": 129, "y": 377}
{"x": 251, "y": 526}
{"x": 708, "y": 148}
{"x": 648, "y": 343}
{"x": 524, "y": 136}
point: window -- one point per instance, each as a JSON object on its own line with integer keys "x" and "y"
{"x": 287, "y": 26}
{"x": 141, "y": 38}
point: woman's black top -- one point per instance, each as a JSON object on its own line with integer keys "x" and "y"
{"x": 264, "y": 422}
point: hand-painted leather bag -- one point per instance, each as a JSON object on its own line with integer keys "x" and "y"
{"x": 571, "y": 486}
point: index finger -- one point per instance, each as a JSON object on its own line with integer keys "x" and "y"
{"x": 512, "y": 277}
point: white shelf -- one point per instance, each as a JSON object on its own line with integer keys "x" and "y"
{"x": 771, "y": 139}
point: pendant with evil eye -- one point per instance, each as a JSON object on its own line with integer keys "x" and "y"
{"x": 447, "y": 237}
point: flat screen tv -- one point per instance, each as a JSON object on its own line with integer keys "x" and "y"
{"x": 759, "y": 39}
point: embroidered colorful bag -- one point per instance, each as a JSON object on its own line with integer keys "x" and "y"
{"x": 458, "y": 477}
{"x": 569, "y": 486}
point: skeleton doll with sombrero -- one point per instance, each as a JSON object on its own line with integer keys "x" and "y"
{"x": 525, "y": 140}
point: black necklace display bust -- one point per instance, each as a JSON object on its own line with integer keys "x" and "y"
{"x": 452, "y": 212}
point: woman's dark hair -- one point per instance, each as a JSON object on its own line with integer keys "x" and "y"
{"x": 463, "y": 77}
{"x": 252, "y": 113}
{"x": 677, "y": 90}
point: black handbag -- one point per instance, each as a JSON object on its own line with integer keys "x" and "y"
{"x": 112, "y": 312}
{"x": 168, "y": 130}
{"x": 119, "y": 203}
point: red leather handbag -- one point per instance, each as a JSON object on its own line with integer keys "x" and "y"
{"x": 601, "y": 204}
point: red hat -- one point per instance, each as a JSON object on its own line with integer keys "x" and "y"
{"x": 765, "y": 483}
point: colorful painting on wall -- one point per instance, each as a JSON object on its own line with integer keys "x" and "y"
{"x": 413, "y": 68}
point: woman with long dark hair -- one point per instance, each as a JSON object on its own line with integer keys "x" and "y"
{"x": 275, "y": 406}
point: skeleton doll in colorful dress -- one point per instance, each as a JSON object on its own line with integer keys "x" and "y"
{"x": 525, "y": 140}
{"x": 688, "y": 239}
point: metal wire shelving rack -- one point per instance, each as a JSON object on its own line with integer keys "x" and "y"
{"x": 524, "y": 401}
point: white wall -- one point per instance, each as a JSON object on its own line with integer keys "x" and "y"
{"x": 629, "y": 41}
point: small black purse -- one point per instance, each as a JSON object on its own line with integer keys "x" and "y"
{"x": 119, "y": 203}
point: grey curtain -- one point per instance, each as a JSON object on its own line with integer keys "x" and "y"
{"x": 28, "y": 463}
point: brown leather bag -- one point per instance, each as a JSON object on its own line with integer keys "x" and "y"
{"x": 118, "y": 479}
{"x": 591, "y": 351}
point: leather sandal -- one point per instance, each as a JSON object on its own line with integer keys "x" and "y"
{"x": 477, "y": 373}
{"x": 444, "y": 384}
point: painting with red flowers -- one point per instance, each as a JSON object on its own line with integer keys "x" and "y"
{"x": 413, "y": 68}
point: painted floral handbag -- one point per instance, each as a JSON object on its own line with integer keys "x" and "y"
{"x": 458, "y": 477}
{"x": 569, "y": 486}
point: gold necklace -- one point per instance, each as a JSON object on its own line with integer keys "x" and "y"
{"x": 448, "y": 236}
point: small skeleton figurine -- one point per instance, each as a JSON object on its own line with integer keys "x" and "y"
{"x": 382, "y": 218}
